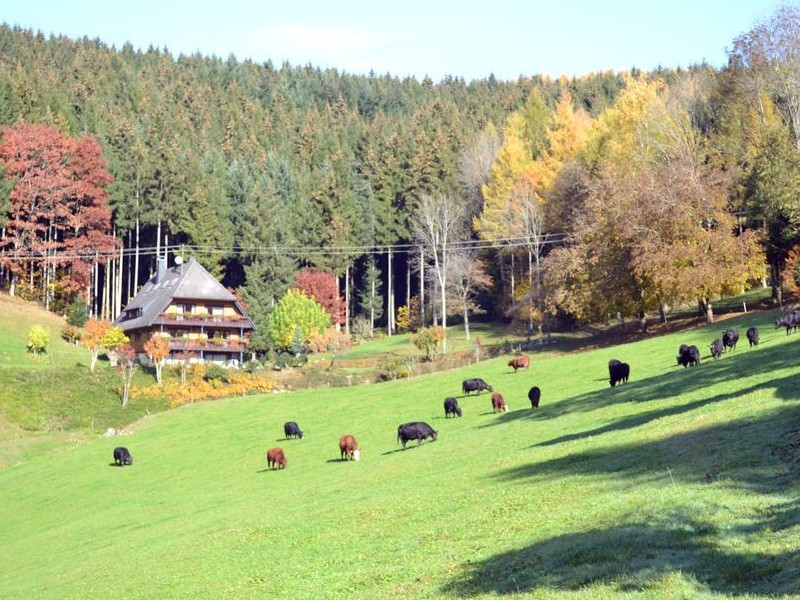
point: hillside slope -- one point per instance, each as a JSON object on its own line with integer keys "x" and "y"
{"x": 680, "y": 483}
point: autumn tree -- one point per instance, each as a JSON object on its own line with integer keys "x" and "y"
{"x": 112, "y": 340}
{"x": 58, "y": 223}
{"x": 655, "y": 226}
{"x": 324, "y": 288}
{"x": 157, "y": 349}
{"x": 94, "y": 333}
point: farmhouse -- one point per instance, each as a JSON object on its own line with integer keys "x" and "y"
{"x": 193, "y": 311}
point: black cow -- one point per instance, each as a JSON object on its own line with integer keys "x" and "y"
{"x": 729, "y": 338}
{"x": 122, "y": 457}
{"x": 689, "y": 356}
{"x": 613, "y": 364}
{"x": 752, "y": 336}
{"x": 533, "y": 395}
{"x": 716, "y": 348}
{"x": 451, "y": 407}
{"x": 618, "y": 373}
{"x": 790, "y": 320}
{"x": 415, "y": 431}
{"x": 475, "y": 385}
{"x": 291, "y": 429}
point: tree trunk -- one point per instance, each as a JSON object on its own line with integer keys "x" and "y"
{"x": 662, "y": 313}
{"x": 466, "y": 322}
{"x": 390, "y": 296}
{"x": 709, "y": 311}
{"x": 347, "y": 300}
{"x": 421, "y": 287}
{"x": 444, "y": 316}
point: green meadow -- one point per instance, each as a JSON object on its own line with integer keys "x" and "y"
{"x": 682, "y": 483}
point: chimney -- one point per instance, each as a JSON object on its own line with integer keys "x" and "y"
{"x": 161, "y": 269}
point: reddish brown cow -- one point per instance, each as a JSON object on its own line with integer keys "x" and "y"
{"x": 276, "y": 459}
{"x": 348, "y": 447}
{"x": 519, "y": 362}
{"x": 499, "y": 403}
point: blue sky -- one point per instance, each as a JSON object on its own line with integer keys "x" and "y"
{"x": 464, "y": 38}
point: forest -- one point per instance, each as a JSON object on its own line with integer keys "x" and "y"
{"x": 547, "y": 201}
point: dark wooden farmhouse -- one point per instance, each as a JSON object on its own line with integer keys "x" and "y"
{"x": 193, "y": 311}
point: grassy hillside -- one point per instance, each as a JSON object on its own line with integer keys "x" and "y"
{"x": 53, "y": 401}
{"x": 682, "y": 483}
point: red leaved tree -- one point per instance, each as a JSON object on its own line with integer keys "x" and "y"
{"x": 324, "y": 289}
{"x": 58, "y": 222}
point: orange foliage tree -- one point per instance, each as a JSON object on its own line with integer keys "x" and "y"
{"x": 94, "y": 332}
{"x": 157, "y": 348}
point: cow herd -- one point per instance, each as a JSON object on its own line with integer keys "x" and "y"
{"x": 619, "y": 373}
{"x": 728, "y": 341}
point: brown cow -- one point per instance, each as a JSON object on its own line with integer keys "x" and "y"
{"x": 498, "y": 403}
{"x": 519, "y": 362}
{"x": 348, "y": 447}
{"x": 276, "y": 459}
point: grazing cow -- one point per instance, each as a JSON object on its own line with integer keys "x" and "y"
{"x": 451, "y": 407}
{"x": 612, "y": 365}
{"x": 519, "y": 362}
{"x": 290, "y": 429}
{"x": 122, "y": 457}
{"x": 533, "y": 395}
{"x": 276, "y": 459}
{"x": 416, "y": 430}
{"x": 752, "y": 336}
{"x": 716, "y": 348}
{"x": 729, "y": 338}
{"x": 348, "y": 448}
{"x": 475, "y": 385}
{"x": 689, "y": 356}
{"x": 790, "y": 320}
{"x": 619, "y": 372}
{"x": 498, "y": 403}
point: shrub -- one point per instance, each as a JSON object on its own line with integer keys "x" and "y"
{"x": 429, "y": 340}
{"x": 38, "y": 340}
{"x": 71, "y": 334}
{"x": 216, "y": 373}
{"x": 330, "y": 340}
{"x": 360, "y": 329}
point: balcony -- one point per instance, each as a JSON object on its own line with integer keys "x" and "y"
{"x": 203, "y": 321}
{"x": 232, "y": 346}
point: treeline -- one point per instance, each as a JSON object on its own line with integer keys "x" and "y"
{"x": 256, "y": 169}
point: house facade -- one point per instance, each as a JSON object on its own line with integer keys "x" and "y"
{"x": 186, "y": 305}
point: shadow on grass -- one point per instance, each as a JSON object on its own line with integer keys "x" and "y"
{"x": 737, "y": 452}
{"x": 630, "y": 558}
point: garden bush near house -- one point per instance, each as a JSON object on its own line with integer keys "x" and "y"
{"x": 38, "y": 340}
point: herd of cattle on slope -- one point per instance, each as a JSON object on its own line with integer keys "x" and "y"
{"x": 618, "y": 372}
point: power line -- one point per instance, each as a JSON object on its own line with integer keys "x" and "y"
{"x": 300, "y": 250}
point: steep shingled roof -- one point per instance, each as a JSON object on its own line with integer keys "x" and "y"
{"x": 188, "y": 281}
